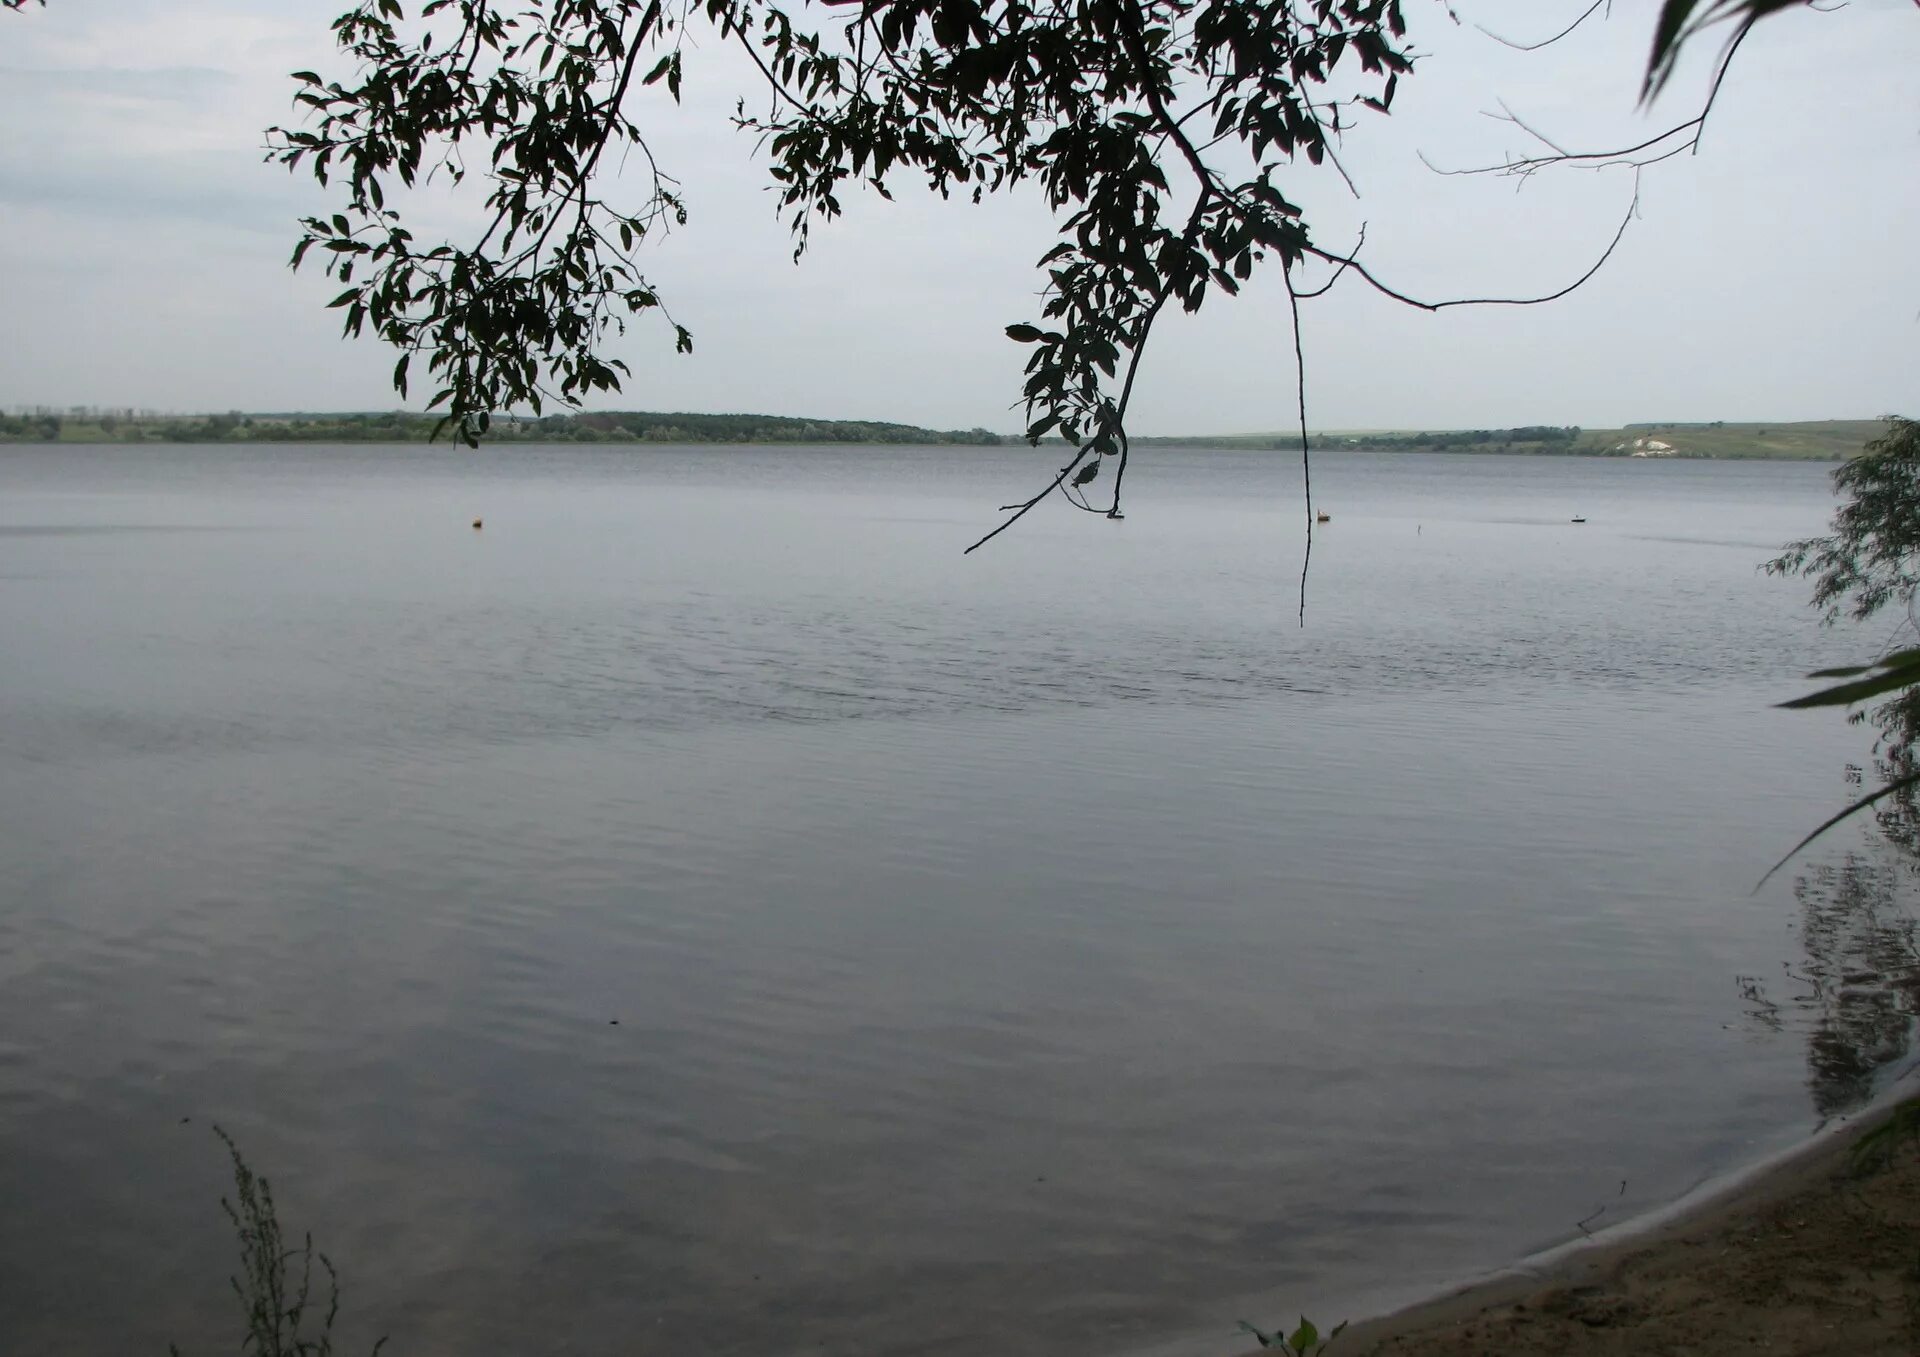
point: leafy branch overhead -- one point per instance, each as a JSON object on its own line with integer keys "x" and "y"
{"x": 1154, "y": 127}
{"x": 1157, "y": 130}
{"x": 533, "y": 99}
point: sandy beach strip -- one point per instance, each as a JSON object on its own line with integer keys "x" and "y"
{"x": 1813, "y": 1253}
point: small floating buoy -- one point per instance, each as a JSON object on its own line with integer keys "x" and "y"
{"x": 476, "y": 522}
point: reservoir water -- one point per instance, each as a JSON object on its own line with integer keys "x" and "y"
{"x": 701, "y": 911}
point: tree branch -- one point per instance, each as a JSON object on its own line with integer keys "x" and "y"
{"x": 1306, "y": 457}
{"x": 1585, "y": 15}
{"x": 1353, "y": 263}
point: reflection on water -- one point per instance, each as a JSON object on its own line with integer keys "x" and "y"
{"x": 1897, "y": 723}
{"x": 1859, "y": 985}
{"x": 1858, "y": 990}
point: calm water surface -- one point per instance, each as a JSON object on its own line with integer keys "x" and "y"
{"x": 702, "y": 912}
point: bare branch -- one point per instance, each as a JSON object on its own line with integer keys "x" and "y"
{"x": 1651, "y": 151}
{"x": 1020, "y": 511}
{"x": 1327, "y": 286}
{"x": 1585, "y": 15}
{"x": 1353, "y": 263}
{"x": 1306, "y": 457}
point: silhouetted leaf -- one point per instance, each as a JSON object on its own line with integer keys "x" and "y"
{"x": 1898, "y": 670}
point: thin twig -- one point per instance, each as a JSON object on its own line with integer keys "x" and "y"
{"x": 1694, "y": 129}
{"x": 1306, "y": 457}
{"x": 1327, "y": 286}
{"x": 1506, "y": 114}
{"x": 1400, "y": 296}
{"x": 1020, "y": 511}
{"x": 1548, "y": 42}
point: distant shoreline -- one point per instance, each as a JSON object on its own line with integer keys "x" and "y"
{"x": 1816, "y": 440}
{"x": 88, "y": 426}
{"x": 1714, "y": 1272}
{"x": 1827, "y": 440}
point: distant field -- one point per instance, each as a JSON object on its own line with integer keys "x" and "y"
{"x": 1813, "y": 440}
{"x": 1816, "y": 440}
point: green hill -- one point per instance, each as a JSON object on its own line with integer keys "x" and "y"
{"x": 1826, "y": 440}
{"x": 1813, "y": 440}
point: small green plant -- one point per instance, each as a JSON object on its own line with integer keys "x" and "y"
{"x": 1304, "y": 1341}
{"x": 275, "y": 1285}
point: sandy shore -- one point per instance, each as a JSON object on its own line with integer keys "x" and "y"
{"x": 1811, "y": 1255}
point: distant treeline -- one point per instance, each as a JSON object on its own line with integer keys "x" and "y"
{"x": 1528, "y": 438}
{"x": 401, "y": 427}
{"x": 1805, "y": 440}
{"x": 1832, "y": 439}
{"x": 649, "y": 427}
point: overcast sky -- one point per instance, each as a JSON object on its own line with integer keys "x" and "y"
{"x": 1773, "y": 276}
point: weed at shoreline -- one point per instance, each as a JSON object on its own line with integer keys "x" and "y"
{"x": 1304, "y": 1341}
{"x": 278, "y": 1305}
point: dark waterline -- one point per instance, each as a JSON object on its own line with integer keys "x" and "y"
{"x": 702, "y": 912}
